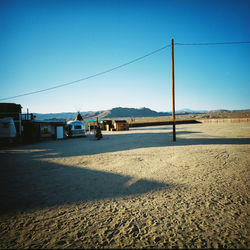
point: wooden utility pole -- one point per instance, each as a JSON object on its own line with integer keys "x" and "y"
{"x": 173, "y": 98}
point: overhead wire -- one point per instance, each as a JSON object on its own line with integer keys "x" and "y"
{"x": 121, "y": 66}
{"x": 91, "y": 76}
{"x": 218, "y": 43}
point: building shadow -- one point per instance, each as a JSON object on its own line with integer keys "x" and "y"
{"x": 28, "y": 184}
{"x": 125, "y": 141}
{"x": 211, "y": 141}
{"x": 29, "y": 181}
{"x": 169, "y": 128}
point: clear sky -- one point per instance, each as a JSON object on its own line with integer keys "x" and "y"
{"x": 48, "y": 43}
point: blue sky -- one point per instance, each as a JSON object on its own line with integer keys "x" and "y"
{"x": 48, "y": 43}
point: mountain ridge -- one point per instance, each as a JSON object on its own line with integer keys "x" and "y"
{"x": 122, "y": 112}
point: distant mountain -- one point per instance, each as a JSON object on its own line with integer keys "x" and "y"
{"x": 103, "y": 114}
{"x": 120, "y": 112}
{"x": 64, "y": 115}
{"x": 219, "y": 111}
{"x": 125, "y": 112}
{"x": 190, "y": 111}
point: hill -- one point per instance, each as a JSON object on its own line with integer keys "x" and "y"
{"x": 125, "y": 112}
{"x": 103, "y": 114}
{"x": 120, "y": 112}
{"x": 63, "y": 115}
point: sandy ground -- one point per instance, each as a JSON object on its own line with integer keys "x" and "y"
{"x": 132, "y": 189}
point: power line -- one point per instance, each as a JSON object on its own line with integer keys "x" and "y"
{"x": 123, "y": 65}
{"x": 219, "y": 43}
{"x": 91, "y": 76}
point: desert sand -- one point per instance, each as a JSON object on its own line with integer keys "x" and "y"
{"x": 132, "y": 189}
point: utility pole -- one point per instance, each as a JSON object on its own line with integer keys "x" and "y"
{"x": 173, "y": 98}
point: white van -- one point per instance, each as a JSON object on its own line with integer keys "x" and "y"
{"x": 75, "y": 128}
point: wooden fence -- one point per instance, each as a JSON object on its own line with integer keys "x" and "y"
{"x": 224, "y": 120}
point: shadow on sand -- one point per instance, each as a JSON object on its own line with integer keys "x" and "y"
{"x": 32, "y": 184}
{"x": 127, "y": 141}
{"x": 28, "y": 182}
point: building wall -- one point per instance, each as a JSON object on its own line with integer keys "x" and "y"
{"x": 121, "y": 126}
{"x": 47, "y": 130}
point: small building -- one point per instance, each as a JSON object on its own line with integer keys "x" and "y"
{"x": 49, "y": 128}
{"x": 92, "y": 124}
{"x": 108, "y": 125}
{"x": 120, "y": 125}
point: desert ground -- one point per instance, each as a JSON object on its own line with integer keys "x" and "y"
{"x": 131, "y": 189}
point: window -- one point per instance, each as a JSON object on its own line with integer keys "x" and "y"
{"x": 78, "y": 127}
{"x": 6, "y": 125}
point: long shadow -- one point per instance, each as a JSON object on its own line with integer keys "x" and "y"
{"x": 210, "y": 141}
{"x": 28, "y": 184}
{"x": 127, "y": 141}
{"x": 152, "y": 128}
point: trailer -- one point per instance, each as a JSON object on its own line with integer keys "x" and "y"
{"x": 7, "y": 130}
{"x": 75, "y": 128}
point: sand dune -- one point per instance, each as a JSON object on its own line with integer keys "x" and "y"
{"x": 132, "y": 189}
